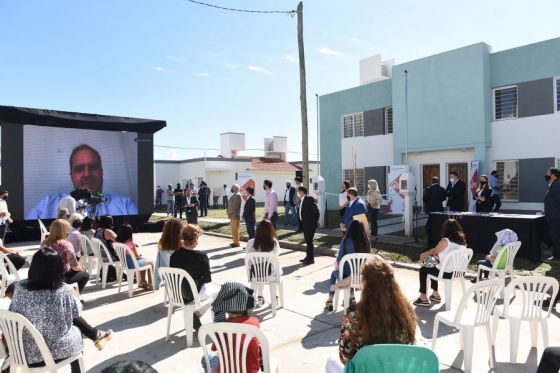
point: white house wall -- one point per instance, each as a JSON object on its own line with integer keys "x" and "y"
{"x": 370, "y": 151}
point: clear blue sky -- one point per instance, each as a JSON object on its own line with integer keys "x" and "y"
{"x": 207, "y": 71}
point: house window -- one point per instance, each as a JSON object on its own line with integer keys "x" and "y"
{"x": 508, "y": 173}
{"x": 557, "y": 86}
{"x": 357, "y": 180}
{"x": 388, "y": 120}
{"x": 505, "y": 103}
{"x": 353, "y": 125}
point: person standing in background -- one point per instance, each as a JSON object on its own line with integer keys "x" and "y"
{"x": 289, "y": 207}
{"x": 178, "y": 193}
{"x": 343, "y": 197}
{"x": 455, "y": 193}
{"x": 159, "y": 197}
{"x": 225, "y": 196}
{"x": 203, "y": 199}
{"x": 495, "y": 186}
{"x": 191, "y": 204}
{"x": 434, "y": 196}
{"x": 170, "y": 200}
{"x": 483, "y": 195}
{"x": 5, "y": 216}
{"x": 270, "y": 203}
{"x": 373, "y": 202}
{"x": 234, "y": 214}
{"x": 552, "y": 212}
{"x": 299, "y": 182}
{"x": 309, "y": 217}
{"x": 249, "y": 212}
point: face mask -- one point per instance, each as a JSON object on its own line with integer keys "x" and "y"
{"x": 231, "y": 190}
{"x": 452, "y": 179}
{"x": 547, "y": 177}
{"x": 482, "y": 182}
{"x": 5, "y": 198}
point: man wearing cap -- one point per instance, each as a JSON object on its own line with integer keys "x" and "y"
{"x": 234, "y": 214}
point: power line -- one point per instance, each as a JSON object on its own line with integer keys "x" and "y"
{"x": 290, "y": 13}
{"x": 214, "y": 149}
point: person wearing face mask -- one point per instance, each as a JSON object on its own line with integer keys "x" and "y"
{"x": 455, "y": 193}
{"x": 483, "y": 196}
{"x": 309, "y": 217}
{"x": 234, "y": 214}
{"x": 5, "y": 216}
{"x": 552, "y": 212}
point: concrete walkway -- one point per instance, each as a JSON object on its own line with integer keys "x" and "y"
{"x": 301, "y": 335}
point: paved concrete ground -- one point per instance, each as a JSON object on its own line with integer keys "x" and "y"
{"x": 301, "y": 335}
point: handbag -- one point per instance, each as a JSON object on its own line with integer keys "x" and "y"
{"x": 431, "y": 261}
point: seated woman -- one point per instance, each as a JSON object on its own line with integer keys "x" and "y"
{"x": 264, "y": 242}
{"x": 453, "y": 238}
{"x": 63, "y": 213}
{"x": 234, "y": 303}
{"x": 74, "y": 235}
{"x": 124, "y": 236}
{"x": 383, "y": 315}
{"x": 106, "y": 234}
{"x": 50, "y": 306}
{"x": 355, "y": 240}
{"x": 504, "y": 237}
{"x": 17, "y": 260}
{"x": 73, "y": 270}
{"x": 169, "y": 242}
{"x": 87, "y": 229}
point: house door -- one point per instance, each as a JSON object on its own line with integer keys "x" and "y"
{"x": 429, "y": 171}
{"x": 462, "y": 169}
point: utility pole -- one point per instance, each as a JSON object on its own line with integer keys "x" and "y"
{"x": 303, "y": 97}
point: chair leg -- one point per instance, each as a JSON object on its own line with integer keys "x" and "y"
{"x": 119, "y": 276}
{"x": 188, "y": 315}
{"x": 544, "y": 328}
{"x": 104, "y": 280}
{"x": 346, "y": 303}
{"x": 272, "y": 287}
{"x": 514, "y": 326}
{"x": 534, "y": 329}
{"x": 489, "y": 339}
{"x": 281, "y": 291}
{"x": 82, "y": 365}
{"x": 130, "y": 276}
{"x": 468, "y": 339}
{"x": 434, "y": 333}
{"x": 447, "y": 285}
{"x": 335, "y": 300}
{"x": 169, "y": 316}
{"x": 495, "y": 327}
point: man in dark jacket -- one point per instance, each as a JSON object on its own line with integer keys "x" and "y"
{"x": 552, "y": 212}
{"x": 309, "y": 216}
{"x": 191, "y": 204}
{"x": 203, "y": 193}
{"x": 455, "y": 193}
{"x": 434, "y": 197}
{"x": 249, "y": 212}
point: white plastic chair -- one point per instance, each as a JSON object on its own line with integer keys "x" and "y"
{"x": 511, "y": 251}
{"x": 524, "y": 297}
{"x": 173, "y": 278}
{"x": 9, "y": 273}
{"x": 470, "y": 314}
{"x": 264, "y": 269}
{"x": 98, "y": 245}
{"x": 121, "y": 250}
{"x": 87, "y": 260}
{"x": 44, "y": 230}
{"x": 12, "y": 326}
{"x": 459, "y": 261}
{"x": 355, "y": 262}
{"x": 232, "y": 343}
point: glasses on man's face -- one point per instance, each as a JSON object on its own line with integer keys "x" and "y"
{"x": 82, "y": 167}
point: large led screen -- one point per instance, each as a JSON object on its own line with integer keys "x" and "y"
{"x": 58, "y": 161}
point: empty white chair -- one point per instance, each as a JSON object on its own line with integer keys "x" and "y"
{"x": 121, "y": 250}
{"x": 44, "y": 230}
{"x": 12, "y": 326}
{"x": 173, "y": 278}
{"x": 232, "y": 343}
{"x": 98, "y": 245}
{"x": 264, "y": 269}
{"x": 9, "y": 273}
{"x": 523, "y": 301}
{"x": 354, "y": 261}
{"x": 503, "y": 264}
{"x": 458, "y": 261}
{"x": 474, "y": 310}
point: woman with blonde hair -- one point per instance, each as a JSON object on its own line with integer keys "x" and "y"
{"x": 73, "y": 270}
{"x": 382, "y": 316}
{"x": 169, "y": 242}
{"x": 373, "y": 202}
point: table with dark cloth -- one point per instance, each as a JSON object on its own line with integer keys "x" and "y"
{"x": 481, "y": 229}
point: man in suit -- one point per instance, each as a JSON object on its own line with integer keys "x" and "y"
{"x": 249, "y": 212}
{"x": 191, "y": 204}
{"x": 434, "y": 197}
{"x": 455, "y": 192}
{"x": 289, "y": 206}
{"x": 355, "y": 207}
{"x": 552, "y": 212}
{"x": 234, "y": 214}
{"x": 309, "y": 217}
{"x": 178, "y": 192}
{"x": 203, "y": 193}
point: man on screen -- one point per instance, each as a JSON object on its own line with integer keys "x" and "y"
{"x": 86, "y": 171}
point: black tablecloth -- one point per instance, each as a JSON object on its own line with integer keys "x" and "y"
{"x": 481, "y": 229}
